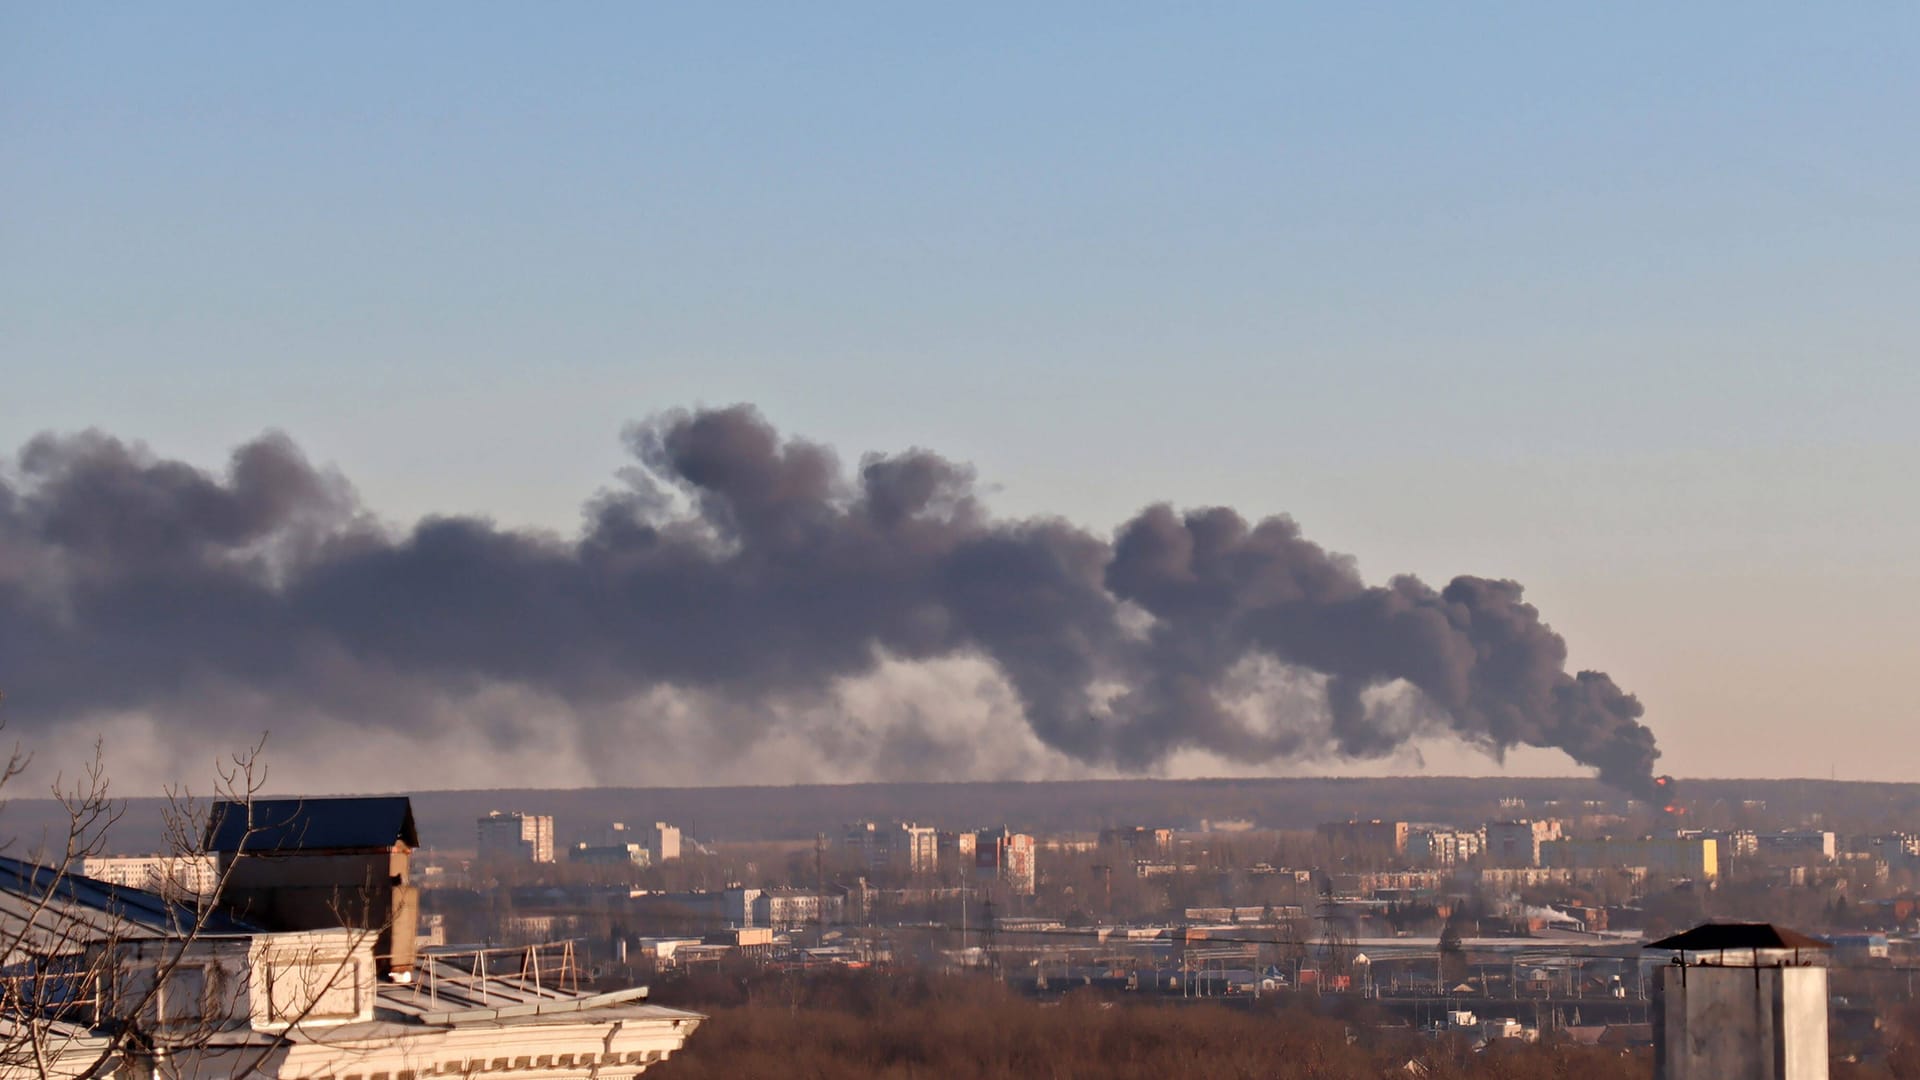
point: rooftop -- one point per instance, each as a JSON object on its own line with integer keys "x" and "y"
{"x": 465, "y": 1011}
{"x": 316, "y": 824}
{"x": 138, "y": 908}
{"x": 1714, "y": 937}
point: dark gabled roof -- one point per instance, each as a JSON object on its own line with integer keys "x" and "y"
{"x": 1710, "y": 937}
{"x": 148, "y": 910}
{"x": 322, "y": 824}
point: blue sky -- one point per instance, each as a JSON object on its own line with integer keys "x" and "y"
{"x": 1620, "y": 302}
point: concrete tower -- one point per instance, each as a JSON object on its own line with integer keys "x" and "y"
{"x": 1740, "y": 1001}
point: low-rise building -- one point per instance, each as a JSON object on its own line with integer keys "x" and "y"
{"x": 1368, "y": 883}
{"x": 794, "y": 907}
{"x": 179, "y": 877}
{"x": 1532, "y": 877}
{"x": 661, "y": 950}
{"x": 1859, "y": 948}
{"x": 675, "y": 913}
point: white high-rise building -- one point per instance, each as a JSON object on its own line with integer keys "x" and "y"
{"x": 1006, "y": 856}
{"x": 1517, "y": 843}
{"x": 663, "y": 842}
{"x": 1801, "y": 845}
{"x": 898, "y": 848}
{"x": 1444, "y": 847}
{"x": 516, "y": 837}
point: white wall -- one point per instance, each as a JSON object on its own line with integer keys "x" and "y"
{"x": 1764, "y": 1023}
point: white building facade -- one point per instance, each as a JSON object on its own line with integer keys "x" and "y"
{"x": 177, "y": 876}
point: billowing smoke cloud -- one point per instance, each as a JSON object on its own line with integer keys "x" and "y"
{"x": 752, "y": 571}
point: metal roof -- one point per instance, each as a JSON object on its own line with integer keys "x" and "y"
{"x": 144, "y": 909}
{"x": 1712, "y": 937}
{"x": 446, "y": 993}
{"x": 267, "y": 825}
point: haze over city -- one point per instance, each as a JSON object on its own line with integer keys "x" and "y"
{"x": 587, "y": 541}
{"x": 1623, "y": 316}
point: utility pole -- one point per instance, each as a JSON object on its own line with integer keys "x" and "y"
{"x": 988, "y": 939}
{"x": 819, "y": 888}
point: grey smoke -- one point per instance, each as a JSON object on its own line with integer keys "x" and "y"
{"x": 735, "y": 561}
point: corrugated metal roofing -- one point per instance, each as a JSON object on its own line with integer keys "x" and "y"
{"x": 320, "y": 824}
{"x": 1713, "y": 937}
{"x": 148, "y": 910}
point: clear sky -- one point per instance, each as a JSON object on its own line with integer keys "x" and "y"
{"x": 1621, "y": 303}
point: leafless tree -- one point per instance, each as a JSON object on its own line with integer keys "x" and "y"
{"x": 87, "y": 989}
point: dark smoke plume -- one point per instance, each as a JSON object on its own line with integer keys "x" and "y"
{"x": 754, "y": 568}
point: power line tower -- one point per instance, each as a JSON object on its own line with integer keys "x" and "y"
{"x": 1333, "y": 939}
